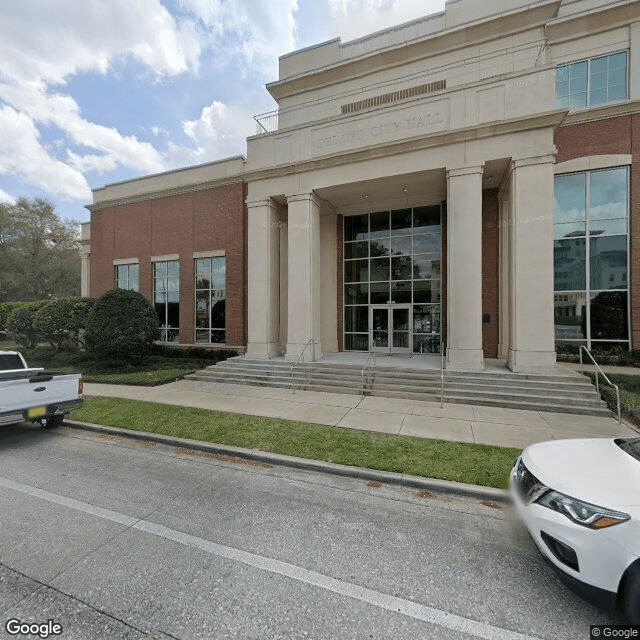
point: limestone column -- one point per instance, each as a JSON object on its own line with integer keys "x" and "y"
{"x": 464, "y": 269}
{"x": 329, "y": 278}
{"x": 532, "y": 345}
{"x": 263, "y": 279}
{"x": 634, "y": 61}
{"x": 503, "y": 285}
{"x": 304, "y": 316}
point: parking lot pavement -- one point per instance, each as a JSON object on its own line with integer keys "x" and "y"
{"x": 463, "y": 423}
{"x": 112, "y": 538}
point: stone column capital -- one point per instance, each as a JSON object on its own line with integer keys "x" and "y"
{"x": 304, "y": 197}
{"x": 548, "y": 158}
{"x": 261, "y": 202}
{"x": 468, "y": 170}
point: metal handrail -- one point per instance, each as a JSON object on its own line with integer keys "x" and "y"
{"x": 370, "y": 356}
{"x": 313, "y": 358}
{"x": 604, "y": 375}
{"x": 441, "y": 374}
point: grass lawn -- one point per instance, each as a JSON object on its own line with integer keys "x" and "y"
{"x": 471, "y": 463}
{"x": 165, "y": 365}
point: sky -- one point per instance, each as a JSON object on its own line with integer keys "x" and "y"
{"x": 94, "y": 92}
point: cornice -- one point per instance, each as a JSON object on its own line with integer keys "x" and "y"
{"x": 164, "y": 193}
{"x": 544, "y": 120}
{"x": 459, "y": 37}
{"x": 628, "y": 107}
{"x": 577, "y": 25}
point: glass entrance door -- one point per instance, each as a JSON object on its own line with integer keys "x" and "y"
{"x": 390, "y": 328}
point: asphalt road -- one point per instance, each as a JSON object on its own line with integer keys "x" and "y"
{"x": 115, "y": 539}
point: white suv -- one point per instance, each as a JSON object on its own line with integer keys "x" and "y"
{"x": 580, "y": 501}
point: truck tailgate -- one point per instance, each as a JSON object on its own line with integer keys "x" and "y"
{"x": 37, "y": 390}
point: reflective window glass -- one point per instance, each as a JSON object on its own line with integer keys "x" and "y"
{"x": 569, "y": 197}
{"x": 401, "y": 222}
{"x": 356, "y": 227}
{"x": 356, "y": 250}
{"x": 380, "y": 269}
{"x": 380, "y": 247}
{"x": 608, "y": 194}
{"x": 592, "y": 82}
{"x": 569, "y": 261}
{"x": 603, "y": 298}
{"x": 608, "y": 262}
{"x": 570, "y": 316}
{"x": 426, "y": 218}
{"x": 356, "y": 271}
{"x": 211, "y": 300}
{"x": 379, "y": 224}
{"x": 356, "y": 293}
{"x": 356, "y": 319}
{"x": 608, "y": 315}
{"x": 401, "y": 246}
{"x": 401, "y": 292}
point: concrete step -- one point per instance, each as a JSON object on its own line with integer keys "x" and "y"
{"x": 570, "y": 394}
{"x": 588, "y": 410}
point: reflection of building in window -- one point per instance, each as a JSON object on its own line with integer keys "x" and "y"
{"x": 393, "y": 257}
{"x": 589, "y": 83}
{"x": 210, "y": 300}
{"x": 591, "y": 301}
{"x": 127, "y": 277}
{"x": 166, "y": 298}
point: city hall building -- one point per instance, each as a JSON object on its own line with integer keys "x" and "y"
{"x": 471, "y": 178}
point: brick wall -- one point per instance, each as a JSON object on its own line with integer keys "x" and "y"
{"x": 490, "y": 273}
{"x": 613, "y": 136}
{"x": 207, "y": 220}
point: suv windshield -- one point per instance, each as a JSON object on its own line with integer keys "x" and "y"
{"x": 630, "y": 445}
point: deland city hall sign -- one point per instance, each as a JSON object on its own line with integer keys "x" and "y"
{"x": 373, "y": 130}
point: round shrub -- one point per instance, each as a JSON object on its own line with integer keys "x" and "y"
{"x": 20, "y": 324}
{"x": 61, "y": 320}
{"x": 122, "y": 324}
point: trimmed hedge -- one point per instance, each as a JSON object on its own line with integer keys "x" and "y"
{"x": 20, "y": 324}
{"x": 5, "y": 311}
{"x": 122, "y": 324}
{"x": 61, "y": 320}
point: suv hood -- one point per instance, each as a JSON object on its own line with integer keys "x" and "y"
{"x": 595, "y": 470}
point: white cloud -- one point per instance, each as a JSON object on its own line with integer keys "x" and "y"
{"x": 356, "y": 18}
{"x": 258, "y": 31}
{"x": 22, "y": 154}
{"x": 61, "y": 111}
{"x": 5, "y": 197}
{"x": 219, "y": 132}
{"x": 50, "y": 41}
{"x": 42, "y": 44}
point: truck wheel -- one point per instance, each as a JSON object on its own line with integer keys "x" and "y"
{"x": 631, "y": 596}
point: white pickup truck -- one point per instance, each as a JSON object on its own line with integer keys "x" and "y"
{"x": 35, "y": 395}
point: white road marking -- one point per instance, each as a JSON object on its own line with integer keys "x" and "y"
{"x": 385, "y": 601}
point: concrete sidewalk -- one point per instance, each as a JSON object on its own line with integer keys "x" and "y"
{"x": 457, "y": 422}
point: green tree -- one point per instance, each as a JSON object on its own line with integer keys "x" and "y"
{"x": 61, "y": 320}
{"x": 21, "y": 324}
{"x": 39, "y": 252}
{"x": 122, "y": 324}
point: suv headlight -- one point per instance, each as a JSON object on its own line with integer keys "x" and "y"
{"x": 582, "y": 513}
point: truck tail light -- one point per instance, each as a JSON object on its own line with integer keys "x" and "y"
{"x": 80, "y": 386}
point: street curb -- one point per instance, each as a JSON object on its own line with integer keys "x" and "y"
{"x": 329, "y": 468}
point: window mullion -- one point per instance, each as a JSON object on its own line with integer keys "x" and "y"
{"x": 587, "y": 253}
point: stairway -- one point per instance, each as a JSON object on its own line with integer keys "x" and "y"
{"x": 537, "y": 392}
